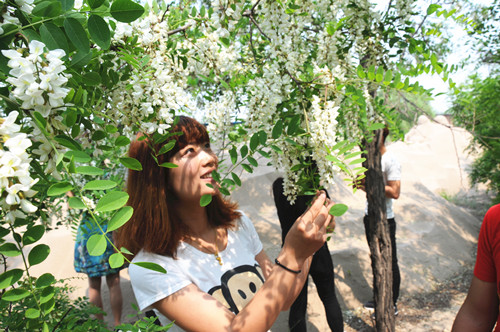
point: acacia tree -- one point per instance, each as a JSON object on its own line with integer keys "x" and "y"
{"x": 304, "y": 81}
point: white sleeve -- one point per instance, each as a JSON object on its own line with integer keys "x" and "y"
{"x": 151, "y": 286}
{"x": 249, "y": 228}
{"x": 393, "y": 169}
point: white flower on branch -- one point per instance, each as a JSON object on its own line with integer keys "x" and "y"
{"x": 38, "y": 79}
{"x": 15, "y": 179}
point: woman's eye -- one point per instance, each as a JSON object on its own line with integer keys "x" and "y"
{"x": 189, "y": 150}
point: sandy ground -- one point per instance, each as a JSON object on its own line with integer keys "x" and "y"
{"x": 436, "y": 238}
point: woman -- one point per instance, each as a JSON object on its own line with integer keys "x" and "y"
{"x": 96, "y": 267}
{"x": 218, "y": 277}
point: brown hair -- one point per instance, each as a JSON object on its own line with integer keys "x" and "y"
{"x": 154, "y": 227}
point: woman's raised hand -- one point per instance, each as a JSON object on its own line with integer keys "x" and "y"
{"x": 309, "y": 232}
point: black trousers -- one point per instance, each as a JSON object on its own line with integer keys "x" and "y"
{"x": 323, "y": 276}
{"x": 396, "y": 276}
{"x": 321, "y": 270}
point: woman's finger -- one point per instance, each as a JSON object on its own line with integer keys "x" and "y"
{"x": 312, "y": 212}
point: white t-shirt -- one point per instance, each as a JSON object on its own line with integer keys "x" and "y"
{"x": 391, "y": 170}
{"x": 234, "y": 283}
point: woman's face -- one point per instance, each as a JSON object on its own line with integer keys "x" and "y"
{"x": 194, "y": 172}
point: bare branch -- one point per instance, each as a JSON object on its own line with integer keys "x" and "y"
{"x": 181, "y": 29}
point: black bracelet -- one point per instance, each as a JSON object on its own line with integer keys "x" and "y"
{"x": 286, "y": 268}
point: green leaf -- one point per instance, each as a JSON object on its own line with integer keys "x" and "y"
{"x": 264, "y": 153}
{"x": 40, "y": 120}
{"x": 338, "y": 209}
{"x": 167, "y": 147}
{"x": 353, "y": 154}
{"x": 95, "y": 3}
{"x": 262, "y": 137}
{"x": 120, "y": 218}
{"x": 247, "y": 168}
{"x": 15, "y": 294}
{"x": 116, "y": 260}
{"x": 67, "y": 4}
{"x": 357, "y": 161}
{"x": 92, "y": 78}
{"x": 96, "y": 245}
{"x": 388, "y": 77}
{"x": 224, "y": 191}
{"x": 9, "y": 250}
{"x": 122, "y": 141}
{"x": 294, "y": 125}
{"x": 48, "y": 294}
{"x": 125, "y": 251}
{"x": 169, "y": 165}
{"x": 59, "y": 188}
{"x": 376, "y": 126}
{"x": 277, "y": 129}
{"x": 10, "y": 277}
{"x": 76, "y": 203}
{"x": 331, "y": 27}
{"x": 38, "y": 254}
{"x": 32, "y": 313}
{"x": 254, "y": 141}
{"x": 360, "y": 72}
{"x": 236, "y": 179}
{"x": 126, "y": 10}
{"x": 76, "y": 34}
{"x": 131, "y": 163}
{"x": 432, "y": 8}
{"x": 99, "y": 135}
{"x": 112, "y": 201}
{"x": 234, "y": 155}
{"x": 47, "y": 9}
{"x": 89, "y": 170}
{"x": 252, "y": 161}
{"x": 379, "y": 76}
{"x": 277, "y": 149}
{"x": 78, "y": 156}
{"x": 53, "y": 37}
{"x": 45, "y": 280}
{"x": 371, "y": 72}
{"x": 99, "y": 185}
{"x": 68, "y": 142}
{"x": 244, "y": 151}
{"x": 33, "y": 234}
{"x": 47, "y": 307}
{"x": 80, "y": 59}
{"x": 151, "y": 266}
{"x": 205, "y": 200}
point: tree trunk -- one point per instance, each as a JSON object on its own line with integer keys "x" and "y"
{"x": 380, "y": 248}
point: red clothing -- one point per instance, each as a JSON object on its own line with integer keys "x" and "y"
{"x": 488, "y": 251}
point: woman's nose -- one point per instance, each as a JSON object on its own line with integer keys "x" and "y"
{"x": 209, "y": 158}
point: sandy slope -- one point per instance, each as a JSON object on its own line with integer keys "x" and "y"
{"x": 435, "y": 238}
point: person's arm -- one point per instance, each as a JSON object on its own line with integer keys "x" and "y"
{"x": 195, "y": 310}
{"x": 479, "y": 312}
{"x": 393, "y": 189}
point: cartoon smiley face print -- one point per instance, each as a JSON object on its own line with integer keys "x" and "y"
{"x": 238, "y": 286}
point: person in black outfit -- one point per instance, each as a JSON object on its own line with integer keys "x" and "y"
{"x": 321, "y": 266}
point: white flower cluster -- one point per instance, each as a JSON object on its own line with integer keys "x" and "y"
{"x": 292, "y": 39}
{"x": 323, "y": 126}
{"x": 38, "y": 78}
{"x": 15, "y": 179}
{"x": 148, "y": 96}
{"x": 218, "y": 115}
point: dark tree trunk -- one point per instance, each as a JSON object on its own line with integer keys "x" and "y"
{"x": 380, "y": 248}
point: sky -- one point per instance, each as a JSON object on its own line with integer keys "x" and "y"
{"x": 460, "y": 52}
